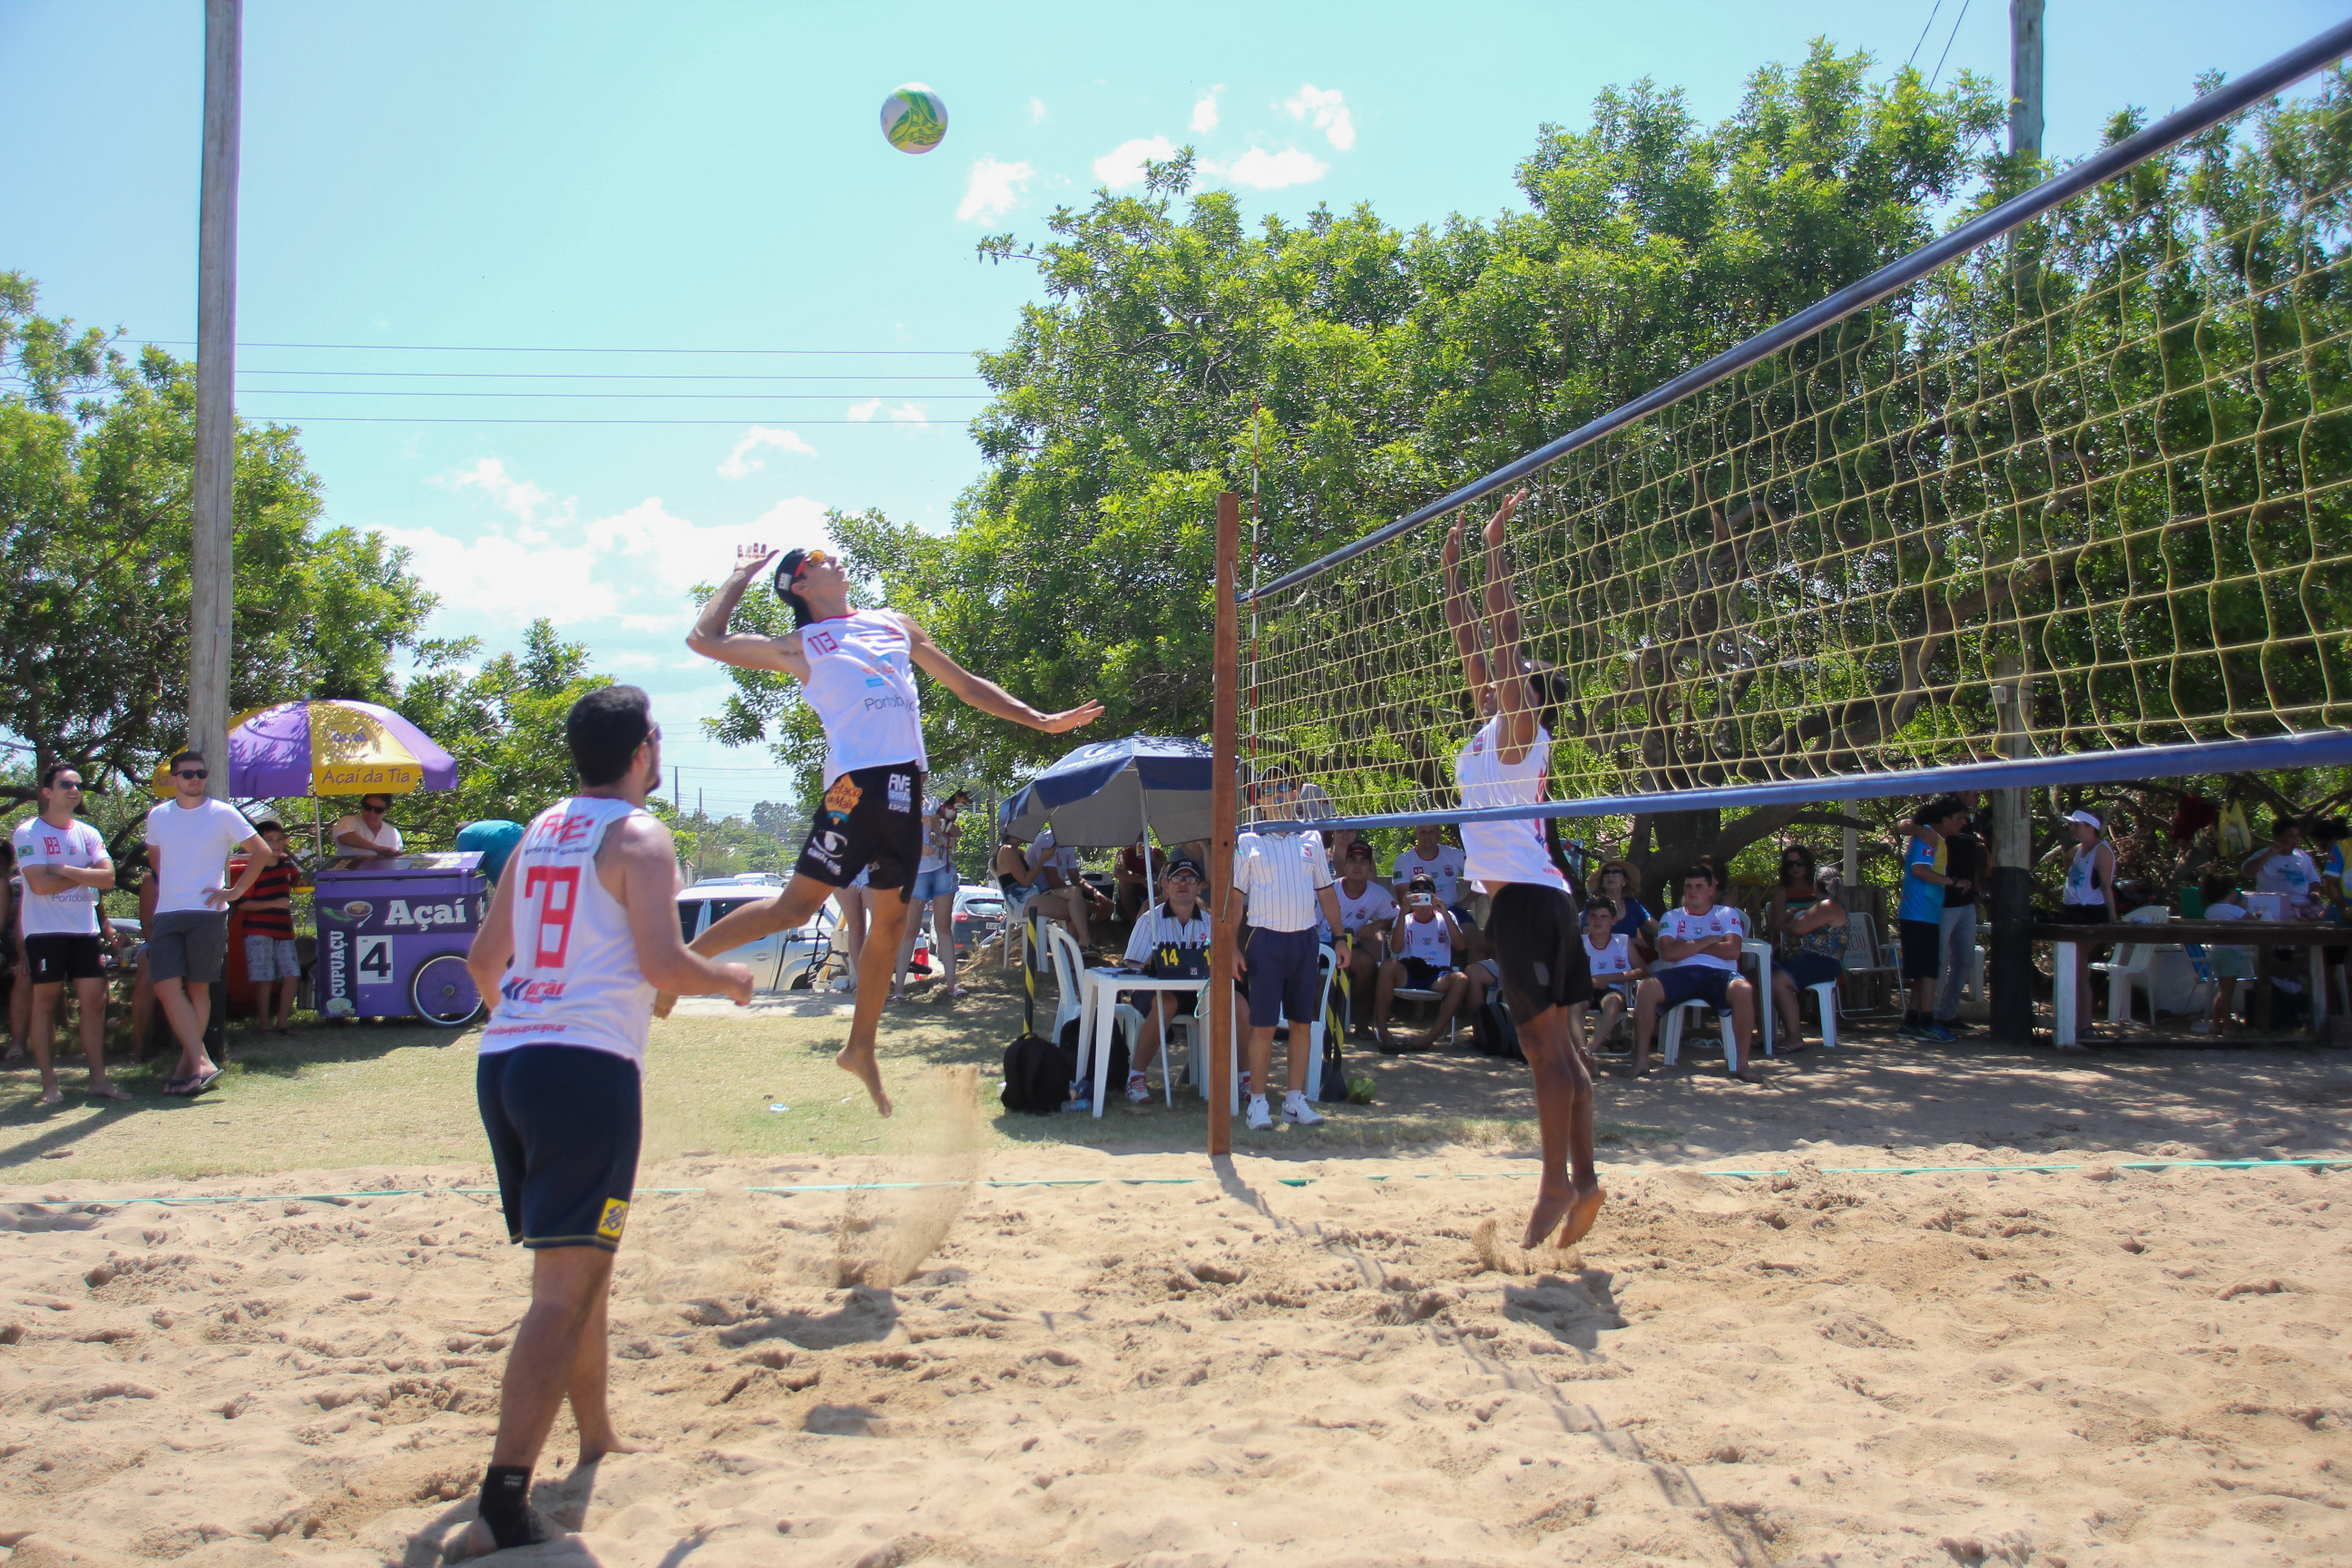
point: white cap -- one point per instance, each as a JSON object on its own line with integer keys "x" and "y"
{"x": 2087, "y": 818}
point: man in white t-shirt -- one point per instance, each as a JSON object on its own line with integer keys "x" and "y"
{"x": 1365, "y": 909}
{"x": 364, "y": 834}
{"x": 66, "y": 867}
{"x": 1701, "y": 941}
{"x": 1430, "y": 856}
{"x": 2284, "y": 867}
{"x": 189, "y": 839}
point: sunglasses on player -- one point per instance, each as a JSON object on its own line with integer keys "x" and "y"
{"x": 813, "y": 558}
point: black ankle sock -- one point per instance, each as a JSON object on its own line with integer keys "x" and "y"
{"x": 1910, "y": 1019}
{"x": 504, "y": 1508}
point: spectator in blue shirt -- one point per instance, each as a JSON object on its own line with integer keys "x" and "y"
{"x": 1920, "y": 914}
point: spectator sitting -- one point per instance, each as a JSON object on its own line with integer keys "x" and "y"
{"x": 1367, "y": 909}
{"x": 1700, "y": 941}
{"x": 1056, "y": 868}
{"x": 1026, "y": 897}
{"x": 365, "y": 834}
{"x": 1430, "y": 856}
{"x": 271, "y": 964}
{"x": 1820, "y": 932}
{"x": 1423, "y": 940}
{"x": 2228, "y": 965}
{"x": 1620, "y": 885}
{"x": 2285, "y": 868}
{"x": 1137, "y": 872}
{"x": 1616, "y": 970}
{"x": 1170, "y": 938}
{"x": 1794, "y": 891}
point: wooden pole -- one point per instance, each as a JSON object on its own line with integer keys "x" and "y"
{"x": 1221, "y": 815}
{"x": 2010, "y": 976}
{"x": 212, "y": 566}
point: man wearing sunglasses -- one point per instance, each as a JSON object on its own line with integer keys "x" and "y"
{"x": 66, "y": 867}
{"x": 365, "y": 832}
{"x": 856, "y": 669}
{"x": 189, "y": 841}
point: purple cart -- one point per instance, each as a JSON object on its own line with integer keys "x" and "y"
{"x": 393, "y": 935}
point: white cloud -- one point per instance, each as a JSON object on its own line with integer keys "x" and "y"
{"x": 489, "y": 475}
{"x": 741, "y": 462}
{"x": 1123, "y": 164}
{"x": 1204, "y": 110}
{"x": 910, "y": 413}
{"x": 996, "y": 190}
{"x": 625, "y": 658}
{"x": 862, "y": 412}
{"x": 796, "y": 522}
{"x": 1036, "y": 111}
{"x": 1265, "y": 171}
{"x": 1327, "y": 108}
{"x": 905, "y": 414}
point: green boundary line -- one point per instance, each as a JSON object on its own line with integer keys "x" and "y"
{"x": 2343, "y": 1161}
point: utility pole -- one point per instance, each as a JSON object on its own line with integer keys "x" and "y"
{"x": 2008, "y": 971}
{"x": 212, "y": 566}
{"x": 2025, "y": 78}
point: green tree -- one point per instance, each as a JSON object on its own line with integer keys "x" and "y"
{"x": 96, "y": 456}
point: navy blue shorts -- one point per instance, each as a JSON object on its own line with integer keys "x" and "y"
{"x": 564, "y": 1123}
{"x": 1285, "y": 977}
{"x": 1420, "y": 975}
{"x": 1694, "y": 982}
{"x": 1921, "y": 948}
{"x": 1811, "y": 968}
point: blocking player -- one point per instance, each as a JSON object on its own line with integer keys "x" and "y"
{"x": 856, "y": 669}
{"x": 1539, "y": 941}
{"x": 587, "y": 913}
{"x": 66, "y": 867}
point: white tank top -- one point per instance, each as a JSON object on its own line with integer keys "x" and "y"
{"x": 2082, "y": 890}
{"x": 861, "y": 681}
{"x": 1500, "y": 852}
{"x": 574, "y": 980}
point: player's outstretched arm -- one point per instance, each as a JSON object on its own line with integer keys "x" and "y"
{"x": 986, "y": 695}
{"x": 745, "y": 650}
{"x": 1458, "y": 618}
{"x": 1503, "y": 617}
{"x": 640, "y": 856}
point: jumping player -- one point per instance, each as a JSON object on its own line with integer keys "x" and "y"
{"x": 1538, "y": 944}
{"x": 856, "y": 669}
{"x": 588, "y": 914}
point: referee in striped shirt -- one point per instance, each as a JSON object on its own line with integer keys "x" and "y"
{"x": 1282, "y": 877}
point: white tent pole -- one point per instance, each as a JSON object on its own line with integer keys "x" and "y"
{"x": 1143, "y": 802}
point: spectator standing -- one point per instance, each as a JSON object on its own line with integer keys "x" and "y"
{"x": 1170, "y": 938}
{"x": 64, "y": 866}
{"x": 12, "y": 953}
{"x": 494, "y": 839}
{"x": 933, "y": 890}
{"x": 189, "y": 838}
{"x": 1700, "y": 943}
{"x": 1367, "y": 909}
{"x": 1282, "y": 878}
{"x": 2089, "y": 899}
{"x": 1965, "y": 861}
{"x": 1819, "y": 930}
{"x": 365, "y": 832}
{"x": 1919, "y": 915}
{"x": 271, "y": 963}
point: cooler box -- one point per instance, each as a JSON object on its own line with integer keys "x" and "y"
{"x": 393, "y": 935}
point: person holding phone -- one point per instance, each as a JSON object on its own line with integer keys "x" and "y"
{"x": 1422, "y": 946}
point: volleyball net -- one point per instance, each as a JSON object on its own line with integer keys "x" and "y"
{"x": 2062, "y": 496}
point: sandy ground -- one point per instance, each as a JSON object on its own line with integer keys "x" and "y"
{"x": 1318, "y": 1360}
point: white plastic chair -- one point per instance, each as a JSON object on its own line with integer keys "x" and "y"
{"x": 2128, "y": 972}
{"x": 1825, "y": 994}
{"x": 1670, "y": 1038}
{"x": 1194, "y": 1023}
{"x": 1067, "y": 963}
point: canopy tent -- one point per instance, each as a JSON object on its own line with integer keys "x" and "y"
{"x": 1108, "y": 792}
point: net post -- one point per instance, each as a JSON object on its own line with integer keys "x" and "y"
{"x": 1223, "y": 812}
{"x": 2008, "y": 973}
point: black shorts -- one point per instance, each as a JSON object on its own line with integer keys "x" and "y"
{"x": 870, "y": 818}
{"x": 564, "y": 1123}
{"x": 53, "y": 958}
{"x": 1923, "y": 948}
{"x": 1420, "y": 975}
{"x": 1540, "y": 948}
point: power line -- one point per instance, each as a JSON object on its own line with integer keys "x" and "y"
{"x": 1938, "y": 6}
{"x": 1948, "y": 42}
{"x": 592, "y": 375}
{"x": 567, "y": 349}
{"x": 432, "y": 419}
{"x": 706, "y": 396}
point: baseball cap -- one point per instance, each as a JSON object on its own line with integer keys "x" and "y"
{"x": 1183, "y": 863}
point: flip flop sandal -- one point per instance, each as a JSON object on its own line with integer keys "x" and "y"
{"x": 203, "y": 1081}
{"x": 958, "y": 992}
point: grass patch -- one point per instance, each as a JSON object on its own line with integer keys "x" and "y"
{"x": 392, "y": 1094}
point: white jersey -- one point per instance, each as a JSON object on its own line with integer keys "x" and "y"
{"x": 1429, "y": 940}
{"x": 1721, "y": 920}
{"x": 574, "y": 980}
{"x": 1511, "y": 851}
{"x": 861, "y": 681}
{"x": 1374, "y": 903}
{"x": 73, "y": 913}
{"x": 1445, "y": 868}
{"x": 1613, "y": 957}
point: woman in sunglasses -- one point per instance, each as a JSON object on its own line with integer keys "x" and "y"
{"x": 856, "y": 669}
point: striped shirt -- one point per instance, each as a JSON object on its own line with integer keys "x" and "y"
{"x": 1280, "y": 873}
{"x": 1159, "y": 928}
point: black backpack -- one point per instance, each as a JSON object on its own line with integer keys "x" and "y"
{"x": 1492, "y": 1028}
{"x": 1036, "y": 1079}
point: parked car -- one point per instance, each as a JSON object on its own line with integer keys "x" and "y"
{"x": 783, "y": 960}
{"x": 978, "y": 916}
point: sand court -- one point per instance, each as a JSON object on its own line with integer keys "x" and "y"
{"x": 1320, "y": 1361}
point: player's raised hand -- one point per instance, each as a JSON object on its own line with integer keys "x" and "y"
{"x": 1502, "y": 518}
{"x": 751, "y": 558}
{"x": 1451, "y": 556}
{"x": 1085, "y": 713}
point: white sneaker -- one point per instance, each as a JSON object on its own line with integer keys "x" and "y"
{"x": 1297, "y": 1112}
{"x": 1260, "y": 1118}
{"x": 1138, "y": 1090}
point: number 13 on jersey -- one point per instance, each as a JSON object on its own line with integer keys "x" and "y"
{"x": 556, "y": 890}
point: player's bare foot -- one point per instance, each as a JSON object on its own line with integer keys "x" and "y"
{"x": 1583, "y": 1210}
{"x": 1553, "y": 1199}
{"x": 867, "y": 1070}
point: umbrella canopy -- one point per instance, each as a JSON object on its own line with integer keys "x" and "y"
{"x": 338, "y": 747}
{"x": 1104, "y": 793}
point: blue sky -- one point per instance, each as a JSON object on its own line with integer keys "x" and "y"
{"x": 697, "y": 176}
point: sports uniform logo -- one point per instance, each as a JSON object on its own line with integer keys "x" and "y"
{"x": 902, "y": 792}
{"x": 616, "y": 1215}
{"x": 843, "y": 797}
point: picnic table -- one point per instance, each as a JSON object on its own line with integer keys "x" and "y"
{"x": 2314, "y": 936}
